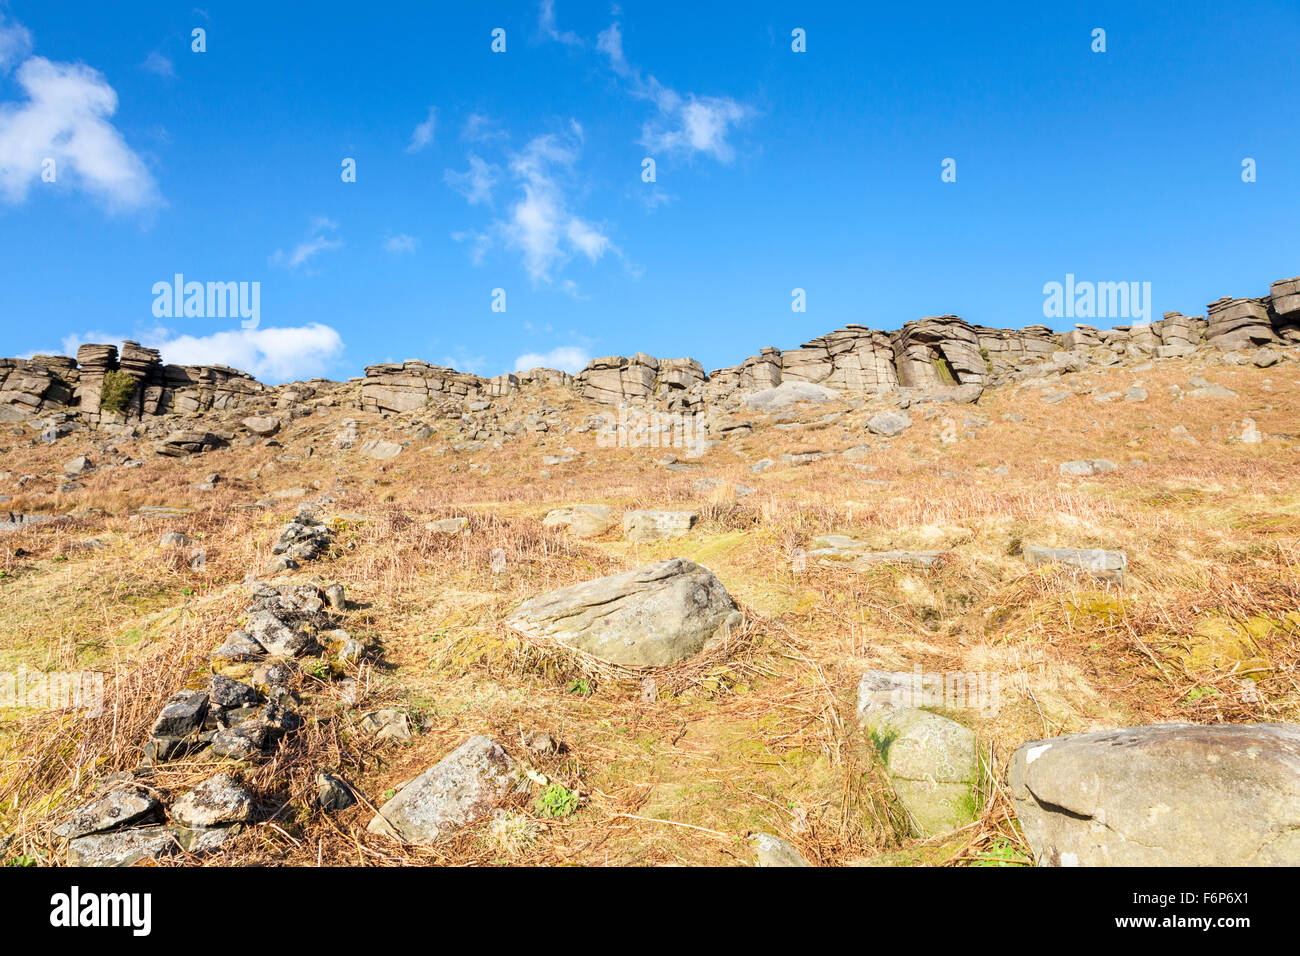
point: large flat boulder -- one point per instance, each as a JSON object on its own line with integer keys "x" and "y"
{"x": 1163, "y": 795}
{"x": 581, "y": 521}
{"x": 652, "y": 616}
{"x": 458, "y": 790}
{"x": 657, "y": 525}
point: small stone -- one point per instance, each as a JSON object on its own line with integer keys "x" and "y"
{"x": 226, "y": 693}
{"x": 772, "y": 850}
{"x": 218, "y": 800}
{"x": 336, "y": 598}
{"x": 333, "y": 793}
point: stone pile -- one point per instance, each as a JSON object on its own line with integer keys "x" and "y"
{"x": 304, "y": 538}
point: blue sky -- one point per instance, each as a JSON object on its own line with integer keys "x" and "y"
{"x": 522, "y": 171}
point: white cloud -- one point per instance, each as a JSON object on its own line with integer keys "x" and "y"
{"x": 540, "y": 225}
{"x": 422, "y": 135}
{"x": 476, "y": 183}
{"x": 319, "y": 240}
{"x": 155, "y": 62}
{"x": 481, "y": 128}
{"x": 65, "y": 119}
{"x": 271, "y": 355}
{"x": 15, "y": 43}
{"x": 401, "y": 243}
{"x": 546, "y": 24}
{"x": 566, "y": 358}
{"x": 686, "y": 124}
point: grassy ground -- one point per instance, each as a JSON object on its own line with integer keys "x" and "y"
{"x": 765, "y": 740}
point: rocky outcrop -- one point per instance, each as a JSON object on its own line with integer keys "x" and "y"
{"x": 1238, "y": 323}
{"x": 653, "y": 616}
{"x": 30, "y": 387}
{"x": 942, "y": 350}
{"x": 406, "y": 386}
{"x": 937, "y": 358}
{"x": 1163, "y": 795}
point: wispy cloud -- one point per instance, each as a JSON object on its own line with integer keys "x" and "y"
{"x": 685, "y": 124}
{"x": 158, "y": 64}
{"x": 401, "y": 244}
{"x": 546, "y": 26}
{"x": 539, "y": 224}
{"x": 422, "y": 135}
{"x": 15, "y": 43}
{"x": 320, "y": 239}
{"x": 481, "y": 128}
{"x": 476, "y": 183}
{"x": 566, "y": 358}
{"x": 65, "y": 119}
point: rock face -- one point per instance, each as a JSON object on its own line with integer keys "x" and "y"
{"x": 1238, "y": 323}
{"x": 942, "y": 350}
{"x": 463, "y": 787}
{"x": 1164, "y": 795}
{"x": 406, "y": 386}
{"x": 653, "y": 616}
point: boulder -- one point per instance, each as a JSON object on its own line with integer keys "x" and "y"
{"x": 1099, "y": 563}
{"x": 657, "y": 525}
{"x": 652, "y": 616}
{"x": 189, "y": 441}
{"x": 462, "y": 788}
{"x": 447, "y": 525}
{"x": 581, "y": 521}
{"x": 380, "y": 450}
{"x": 262, "y": 425}
{"x": 932, "y": 765}
{"x": 1086, "y": 467}
{"x": 789, "y": 393}
{"x": 772, "y": 850}
{"x": 1162, "y": 795}
{"x": 889, "y": 424}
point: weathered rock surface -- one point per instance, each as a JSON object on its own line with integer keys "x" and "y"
{"x": 116, "y": 807}
{"x": 652, "y": 616}
{"x": 657, "y": 525}
{"x": 770, "y": 850}
{"x": 1163, "y": 795}
{"x": 219, "y": 800}
{"x": 1099, "y": 563}
{"x": 123, "y": 847}
{"x": 462, "y": 788}
{"x": 581, "y": 521}
{"x": 932, "y": 765}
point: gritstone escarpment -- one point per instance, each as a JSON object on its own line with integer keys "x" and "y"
{"x": 104, "y": 387}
